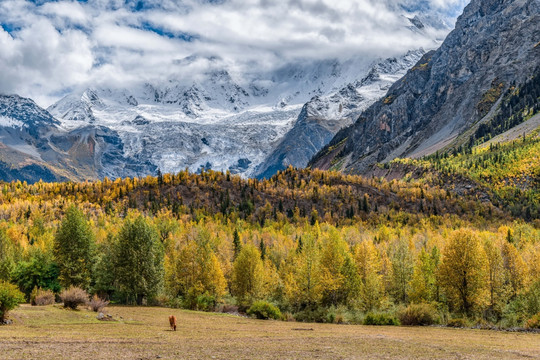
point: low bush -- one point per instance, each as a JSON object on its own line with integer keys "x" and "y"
{"x": 41, "y": 297}
{"x": 319, "y": 315}
{"x": 458, "y": 323}
{"x": 73, "y": 297}
{"x": 337, "y": 315}
{"x": 287, "y": 316}
{"x": 200, "y": 302}
{"x": 264, "y": 310}
{"x": 227, "y": 309}
{"x": 419, "y": 314}
{"x": 534, "y": 322}
{"x": 97, "y": 304}
{"x": 176, "y": 303}
{"x": 380, "y": 319}
{"x": 205, "y": 302}
{"x": 161, "y": 300}
{"x": 10, "y": 298}
{"x": 355, "y": 317}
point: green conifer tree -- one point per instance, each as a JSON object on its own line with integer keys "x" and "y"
{"x": 74, "y": 250}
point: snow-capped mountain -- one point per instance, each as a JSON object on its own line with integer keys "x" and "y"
{"x": 217, "y": 121}
{"x": 34, "y": 146}
{"x": 24, "y": 145}
{"x": 323, "y": 116}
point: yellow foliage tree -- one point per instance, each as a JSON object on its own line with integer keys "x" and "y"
{"x": 496, "y": 274}
{"x": 195, "y": 271}
{"x": 334, "y": 254}
{"x": 368, "y": 266}
{"x": 423, "y": 285}
{"x": 515, "y": 267}
{"x": 301, "y": 276}
{"x": 248, "y": 277}
{"x": 463, "y": 271}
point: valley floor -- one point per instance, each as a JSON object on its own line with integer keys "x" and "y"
{"x": 143, "y": 333}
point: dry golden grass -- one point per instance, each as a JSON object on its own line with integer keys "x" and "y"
{"x": 51, "y": 332}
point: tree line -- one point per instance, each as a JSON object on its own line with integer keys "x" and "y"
{"x": 308, "y": 269}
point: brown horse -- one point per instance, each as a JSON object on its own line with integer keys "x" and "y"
{"x": 172, "y": 322}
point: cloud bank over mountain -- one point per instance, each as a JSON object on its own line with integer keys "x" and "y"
{"x": 51, "y": 48}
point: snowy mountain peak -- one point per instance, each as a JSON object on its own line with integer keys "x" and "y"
{"x": 17, "y": 111}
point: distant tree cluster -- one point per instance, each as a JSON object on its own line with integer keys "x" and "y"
{"x": 506, "y": 172}
{"x": 517, "y": 106}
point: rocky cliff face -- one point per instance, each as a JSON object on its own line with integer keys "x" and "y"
{"x": 449, "y": 91}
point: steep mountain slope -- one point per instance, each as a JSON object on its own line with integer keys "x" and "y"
{"x": 504, "y": 170}
{"x": 119, "y": 133}
{"x": 449, "y": 92}
{"x": 323, "y": 116}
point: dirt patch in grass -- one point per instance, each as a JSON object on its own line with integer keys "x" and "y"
{"x": 143, "y": 333}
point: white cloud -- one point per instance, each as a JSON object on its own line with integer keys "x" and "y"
{"x": 50, "y": 48}
{"x": 65, "y": 13}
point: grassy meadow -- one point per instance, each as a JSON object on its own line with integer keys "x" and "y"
{"x": 51, "y": 332}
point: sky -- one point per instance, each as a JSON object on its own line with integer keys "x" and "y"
{"x": 50, "y": 48}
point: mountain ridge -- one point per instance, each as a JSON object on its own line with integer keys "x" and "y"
{"x": 441, "y": 97}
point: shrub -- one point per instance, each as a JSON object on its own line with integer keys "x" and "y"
{"x": 458, "y": 323}
{"x": 331, "y": 316}
{"x": 200, "y": 302}
{"x": 41, "y": 297}
{"x": 418, "y": 314}
{"x": 319, "y": 315}
{"x": 515, "y": 313}
{"x": 97, "y": 304}
{"x": 264, "y": 310}
{"x": 205, "y": 302}
{"x": 73, "y": 297}
{"x": 336, "y": 315}
{"x": 227, "y": 309}
{"x": 287, "y": 316}
{"x": 10, "y": 297}
{"x": 534, "y": 322}
{"x": 380, "y": 319}
{"x": 160, "y": 300}
{"x": 176, "y": 303}
{"x": 340, "y": 319}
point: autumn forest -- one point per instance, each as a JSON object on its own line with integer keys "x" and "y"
{"x": 307, "y": 245}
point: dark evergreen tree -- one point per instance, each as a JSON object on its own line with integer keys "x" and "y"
{"x": 138, "y": 261}
{"x": 236, "y": 243}
{"x": 74, "y": 250}
{"x": 262, "y": 249}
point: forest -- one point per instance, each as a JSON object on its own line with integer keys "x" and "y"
{"x": 447, "y": 243}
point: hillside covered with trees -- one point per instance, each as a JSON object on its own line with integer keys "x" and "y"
{"x": 306, "y": 244}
